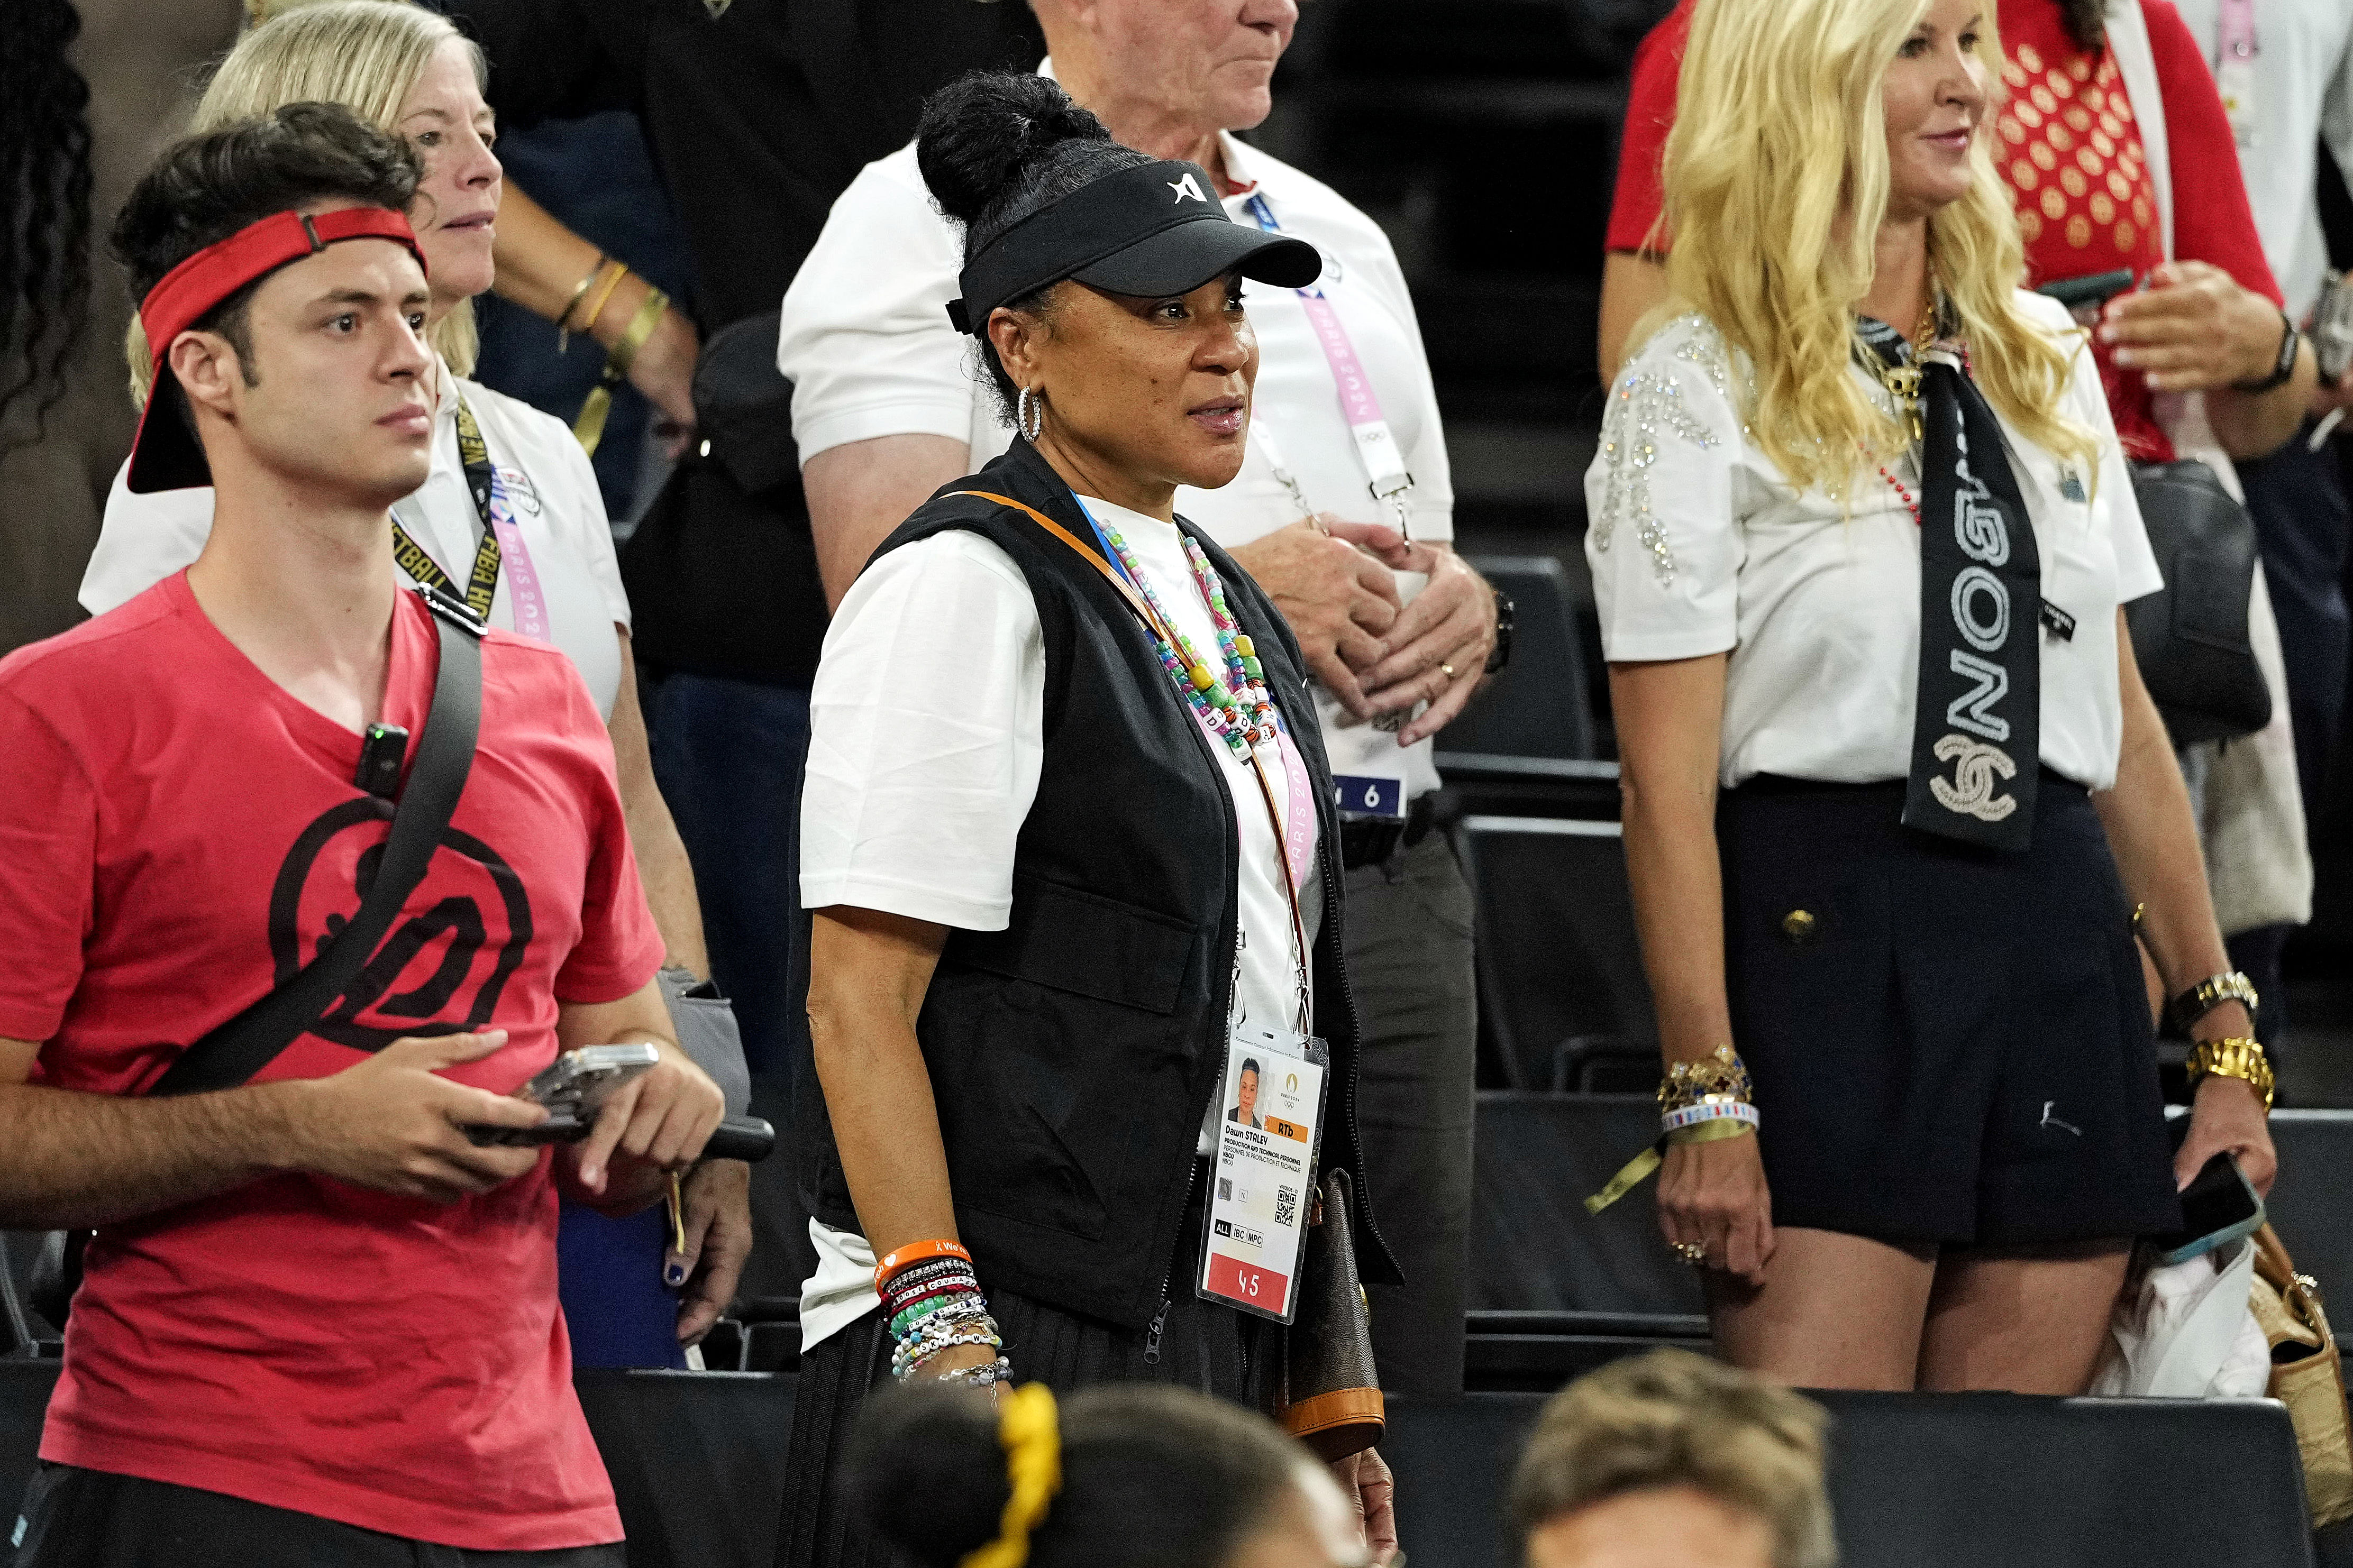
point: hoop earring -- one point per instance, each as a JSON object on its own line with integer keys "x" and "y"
{"x": 1029, "y": 415}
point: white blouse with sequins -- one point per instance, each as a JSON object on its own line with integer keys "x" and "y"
{"x": 1700, "y": 546}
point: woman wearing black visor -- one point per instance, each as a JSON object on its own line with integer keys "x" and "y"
{"x": 1066, "y": 835}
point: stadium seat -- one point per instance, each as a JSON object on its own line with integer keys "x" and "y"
{"x": 2310, "y": 1204}
{"x": 1938, "y": 1481}
{"x": 1559, "y": 969}
{"x": 1533, "y": 1245}
{"x": 1535, "y": 1352}
{"x": 1537, "y": 707}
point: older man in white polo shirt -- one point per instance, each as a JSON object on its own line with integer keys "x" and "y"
{"x": 1346, "y": 457}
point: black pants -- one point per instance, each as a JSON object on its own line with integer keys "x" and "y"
{"x": 75, "y": 1517}
{"x": 2303, "y": 525}
{"x": 1208, "y": 1348}
{"x": 1408, "y": 941}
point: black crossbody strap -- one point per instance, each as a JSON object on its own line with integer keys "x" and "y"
{"x": 233, "y": 1053}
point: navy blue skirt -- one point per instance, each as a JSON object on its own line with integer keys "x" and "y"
{"x": 1950, "y": 1045}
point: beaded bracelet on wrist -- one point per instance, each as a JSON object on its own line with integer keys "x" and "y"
{"x": 981, "y": 1376}
{"x": 1719, "y": 1076}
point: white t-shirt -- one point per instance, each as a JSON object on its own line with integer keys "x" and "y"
{"x": 867, "y": 344}
{"x": 1699, "y": 545}
{"x": 557, "y": 506}
{"x": 926, "y": 735}
{"x": 2303, "y": 81}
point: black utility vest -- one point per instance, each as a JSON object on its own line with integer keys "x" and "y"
{"x": 1072, "y": 1054}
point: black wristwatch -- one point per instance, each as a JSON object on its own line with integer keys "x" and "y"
{"x": 2289, "y": 339}
{"x": 1501, "y": 653}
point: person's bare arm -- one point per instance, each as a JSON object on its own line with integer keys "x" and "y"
{"x": 1670, "y": 720}
{"x": 1339, "y": 599}
{"x": 2154, "y": 837}
{"x": 388, "y": 1123}
{"x": 1632, "y": 286}
{"x": 662, "y": 865}
{"x": 860, "y": 492}
{"x": 868, "y": 973}
{"x": 2196, "y": 328}
{"x": 540, "y": 266}
{"x": 654, "y": 1125}
{"x": 718, "y": 1223}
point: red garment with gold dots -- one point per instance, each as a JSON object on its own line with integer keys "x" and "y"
{"x": 2070, "y": 144}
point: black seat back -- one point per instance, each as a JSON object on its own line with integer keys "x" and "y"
{"x": 1537, "y": 705}
{"x": 1558, "y": 967}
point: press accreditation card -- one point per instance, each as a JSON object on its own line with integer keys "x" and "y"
{"x": 1269, "y": 1128}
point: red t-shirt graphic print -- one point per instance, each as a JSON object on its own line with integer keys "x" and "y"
{"x": 177, "y": 836}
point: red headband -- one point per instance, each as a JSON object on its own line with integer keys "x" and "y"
{"x": 216, "y": 271}
{"x": 165, "y": 455}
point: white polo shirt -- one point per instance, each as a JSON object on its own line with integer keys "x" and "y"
{"x": 557, "y": 506}
{"x": 2302, "y": 78}
{"x": 867, "y": 344}
{"x": 1699, "y": 546}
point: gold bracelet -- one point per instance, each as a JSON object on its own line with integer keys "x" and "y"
{"x": 588, "y": 429}
{"x": 620, "y": 270}
{"x": 563, "y": 317}
{"x": 1720, "y": 1074}
{"x": 2236, "y": 1056}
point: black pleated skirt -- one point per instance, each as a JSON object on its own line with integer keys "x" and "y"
{"x": 1950, "y": 1045}
{"x": 1203, "y": 1346}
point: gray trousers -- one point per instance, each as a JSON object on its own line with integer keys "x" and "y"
{"x": 1409, "y": 948}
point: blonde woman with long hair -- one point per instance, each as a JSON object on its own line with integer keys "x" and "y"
{"x": 522, "y": 535}
{"x": 1861, "y": 537}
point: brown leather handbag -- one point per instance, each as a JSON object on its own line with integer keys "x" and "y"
{"x": 1330, "y": 1394}
{"x": 2307, "y": 1376}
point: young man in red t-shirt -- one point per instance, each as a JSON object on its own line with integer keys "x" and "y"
{"x": 318, "y": 1323}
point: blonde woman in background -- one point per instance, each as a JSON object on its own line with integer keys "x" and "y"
{"x": 550, "y": 573}
{"x": 1673, "y": 1457}
{"x": 1861, "y": 533}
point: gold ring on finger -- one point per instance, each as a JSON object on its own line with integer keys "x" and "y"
{"x": 1446, "y": 670}
{"x": 1692, "y": 1252}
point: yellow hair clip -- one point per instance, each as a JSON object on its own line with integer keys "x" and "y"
{"x": 1031, "y": 1433}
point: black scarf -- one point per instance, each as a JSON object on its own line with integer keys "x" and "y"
{"x": 1977, "y": 725}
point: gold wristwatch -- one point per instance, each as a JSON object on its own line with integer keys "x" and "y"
{"x": 2210, "y": 994}
{"x": 2237, "y": 1058}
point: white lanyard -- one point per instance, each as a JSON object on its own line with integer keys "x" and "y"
{"x": 2234, "y": 67}
{"x": 1376, "y": 447}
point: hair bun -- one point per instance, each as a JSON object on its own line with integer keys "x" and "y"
{"x": 926, "y": 1471}
{"x": 978, "y": 133}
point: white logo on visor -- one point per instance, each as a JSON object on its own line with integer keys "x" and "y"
{"x": 1187, "y": 187}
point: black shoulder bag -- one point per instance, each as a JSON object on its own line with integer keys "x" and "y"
{"x": 2190, "y": 637}
{"x": 232, "y": 1054}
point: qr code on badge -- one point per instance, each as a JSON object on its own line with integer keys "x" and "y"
{"x": 1225, "y": 1189}
{"x": 1286, "y": 1205}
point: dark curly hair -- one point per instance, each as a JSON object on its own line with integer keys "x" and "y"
{"x": 2088, "y": 23}
{"x": 44, "y": 204}
{"x": 205, "y": 188}
{"x": 995, "y": 146}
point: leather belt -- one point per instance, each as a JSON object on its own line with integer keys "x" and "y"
{"x": 1371, "y": 840}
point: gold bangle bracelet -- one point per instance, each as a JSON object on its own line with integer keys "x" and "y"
{"x": 2236, "y": 1056}
{"x": 579, "y": 289}
{"x": 619, "y": 270}
{"x": 641, "y": 327}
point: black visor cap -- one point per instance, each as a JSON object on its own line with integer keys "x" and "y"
{"x": 1149, "y": 230}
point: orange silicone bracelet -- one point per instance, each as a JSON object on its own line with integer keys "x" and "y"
{"x": 916, "y": 1252}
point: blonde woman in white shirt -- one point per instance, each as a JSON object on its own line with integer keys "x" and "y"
{"x": 553, "y": 574}
{"x": 1861, "y": 537}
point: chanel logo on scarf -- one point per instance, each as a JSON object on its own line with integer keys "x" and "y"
{"x": 1977, "y": 723}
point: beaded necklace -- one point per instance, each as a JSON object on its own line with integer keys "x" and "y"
{"x": 1236, "y": 708}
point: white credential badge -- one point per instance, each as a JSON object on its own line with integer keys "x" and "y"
{"x": 1262, "y": 1188}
